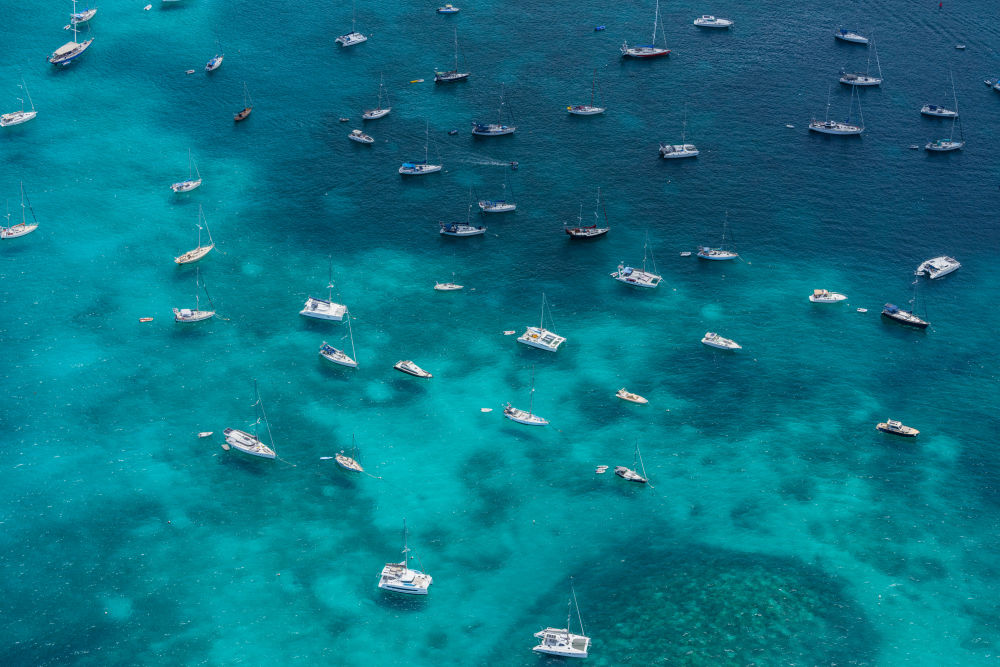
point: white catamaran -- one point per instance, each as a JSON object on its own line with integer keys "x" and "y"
{"x": 560, "y": 641}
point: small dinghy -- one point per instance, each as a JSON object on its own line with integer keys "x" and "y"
{"x": 205, "y": 434}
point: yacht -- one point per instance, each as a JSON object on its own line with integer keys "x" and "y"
{"x": 202, "y": 250}
{"x": 826, "y": 296}
{"x": 938, "y": 267}
{"x": 360, "y": 137}
{"x": 713, "y": 339}
{"x": 850, "y": 36}
{"x": 636, "y": 277}
{"x": 448, "y": 9}
{"x": 893, "y": 312}
{"x": 452, "y": 75}
{"x": 723, "y": 252}
{"x": 496, "y": 206}
{"x": 498, "y": 128}
{"x": 935, "y": 110}
{"x": 591, "y": 231}
{"x": 857, "y": 79}
{"x": 670, "y": 151}
{"x": 631, "y": 474}
{"x": 82, "y": 17}
{"x": 706, "y": 21}
{"x": 626, "y": 395}
{"x": 587, "y": 109}
{"x": 22, "y": 116}
{"x": 411, "y": 368}
{"x": 846, "y": 127}
{"x": 71, "y": 50}
{"x": 214, "y": 63}
{"x": 399, "y": 578}
{"x": 541, "y": 337}
{"x": 647, "y": 50}
{"x": 192, "y": 181}
{"x": 324, "y": 309}
{"x": 22, "y": 228}
{"x": 250, "y": 443}
{"x": 422, "y": 167}
{"x": 332, "y": 354}
{"x": 461, "y": 229}
{"x": 943, "y": 145}
{"x": 196, "y": 314}
{"x": 897, "y": 428}
{"x": 523, "y": 416}
{"x": 447, "y": 287}
{"x": 378, "y": 111}
{"x": 560, "y": 641}
{"x": 353, "y": 37}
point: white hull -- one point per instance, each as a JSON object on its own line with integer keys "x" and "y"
{"x": 350, "y": 39}
{"x": 360, "y": 137}
{"x": 716, "y": 254}
{"x": 213, "y": 64}
{"x": 244, "y": 442}
{"x": 940, "y": 112}
{"x": 450, "y": 77}
{"x": 66, "y": 53}
{"x": 419, "y": 169}
{"x": 643, "y": 51}
{"x": 447, "y": 287}
{"x": 194, "y": 255}
{"x": 523, "y": 416}
{"x": 336, "y": 356}
{"x": 188, "y": 315}
{"x": 186, "y": 186}
{"x": 827, "y": 297}
{"x": 411, "y": 368}
{"x": 832, "y": 127}
{"x": 396, "y": 577}
{"x": 496, "y": 207}
{"x": 636, "y": 278}
{"x": 492, "y": 130}
{"x": 712, "y": 22}
{"x": 374, "y": 114}
{"x": 672, "y": 151}
{"x": 852, "y": 37}
{"x": 938, "y": 267}
{"x": 16, "y": 118}
{"x": 322, "y": 309}
{"x": 17, "y": 230}
{"x": 860, "y": 80}
{"x": 585, "y": 110}
{"x": 461, "y": 230}
{"x": 630, "y": 397}
{"x": 542, "y": 339}
{"x": 715, "y": 340}
{"x": 944, "y": 145}
{"x": 561, "y": 642}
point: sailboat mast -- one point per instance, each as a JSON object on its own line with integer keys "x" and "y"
{"x": 25, "y": 86}
{"x": 593, "y": 87}
{"x": 577, "y": 605}
{"x": 354, "y": 354}
{"x": 541, "y": 322}
{"x": 330, "y": 282}
{"x": 456, "y": 49}
{"x": 23, "y": 221}
{"x": 656, "y": 18}
{"x": 531, "y": 394}
{"x": 73, "y": 23}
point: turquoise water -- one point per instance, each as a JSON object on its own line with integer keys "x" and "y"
{"x": 779, "y": 528}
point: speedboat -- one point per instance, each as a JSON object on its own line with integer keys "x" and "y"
{"x": 834, "y": 127}
{"x": 360, "y": 137}
{"x": 214, "y": 63}
{"x": 332, "y": 354}
{"x": 541, "y": 338}
{"x": 938, "y": 267}
{"x": 943, "y": 145}
{"x": 850, "y": 36}
{"x": 447, "y": 287}
{"x": 636, "y": 277}
{"x": 323, "y": 309}
{"x": 670, "y": 151}
{"x": 706, "y": 21}
{"x": 247, "y": 443}
{"x": 629, "y": 475}
{"x": 893, "y": 312}
{"x": 523, "y": 416}
{"x": 704, "y": 252}
{"x": 492, "y": 129}
{"x": 351, "y": 38}
{"x": 629, "y": 396}
{"x": 411, "y": 368}
{"x": 590, "y": 232}
{"x": 856, "y": 79}
{"x": 192, "y": 315}
{"x": 418, "y": 168}
{"x": 935, "y": 110}
{"x": 713, "y": 339}
{"x": 448, "y": 9}
{"x": 461, "y": 229}
{"x": 897, "y": 428}
{"x": 826, "y": 296}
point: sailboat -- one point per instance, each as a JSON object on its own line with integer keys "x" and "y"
{"x": 418, "y": 168}
{"x": 560, "y": 641}
{"x": 636, "y": 277}
{"x": 332, "y": 354}
{"x": 723, "y": 252}
{"x": 196, "y": 315}
{"x": 541, "y": 337}
{"x": 378, "y": 111}
{"x": 648, "y": 50}
{"x": 908, "y": 317}
{"x": 82, "y": 17}
{"x": 587, "y": 109}
{"x": 190, "y": 183}
{"x": 498, "y": 205}
{"x": 494, "y": 129}
{"x": 631, "y": 474}
{"x": 460, "y": 229}
{"x": 202, "y": 250}
{"x": 250, "y": 443}
{"x": 828, "y": 126}
{"x": 215, "y": 62}
{"x": 670, "y": 151}
{"x": 949, "y": 144}
{"x": 353, "y": 37}
{"x": 591, "y": 231}
{"x": 527, "y": 417}
{"x": 451, "y": 75}
{"x": 247, "y": 105}
{"x": 324, "y": 309}
{"x": 400, "y": 578}
{"x": 22, "y": 116}
{"x": 72, "y": 49}
{"x": 349, "y": 462}
{"x": 857, "y": 79}
{"x": 22, "y": 228}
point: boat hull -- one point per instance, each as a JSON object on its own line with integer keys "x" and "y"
{"x": 16, "y": 231}
{"x": 16, "y": 118}
{"x": 194, "y": 255}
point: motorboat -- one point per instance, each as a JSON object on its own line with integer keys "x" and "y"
{"x": 647, "y": 50}
{"x": 894, "y": 312}
{"x": 560, "y": 641}
{"x": 850, "y": 36}
{"x": 626, "y": 395}
{"x": 707, "y": 21}
{"x": 938, "y": 267}
{"x": 448, "y": 9}
{"x": 447, "y": 287}
{"x": 461, "y": 229}
{"x": 897, "y": 428}
{"x": 333, "y": 355}
{"x": 935, "y": 110}
{"x": 214, "y": 63}
{"x": 826, "y": 296}
{"x": 360, "y": 137}
{"x": 411, "y": 368}
{"x": 400, "y": 578}
{"x": 713, "y": 339}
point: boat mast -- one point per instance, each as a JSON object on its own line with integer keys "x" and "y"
{"x": 656, "y": 18}
{"x": 541, "y": 323}
{"x": 427, "y": 138}
{"x": 330, "y": 283}
{"x": 73, "y": 24}
{"x": 531, "y": 394}
{"x": 456, "y": 50}
{"x": 593, "y": 87}
{"x": 684, "y": 127}
{"x": 861, "y": 114}
{"x": 406, "y": 548}
{"x": 201, "y": 216}
{"x": 354, "y": 354}
{"x": 577, "y": 605}
{"x": 25, "y": 86}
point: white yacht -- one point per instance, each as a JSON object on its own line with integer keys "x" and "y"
{"x": 846, "y": 127}
{"x": 938, "y": 267}
{"x": 713, "y": 339}
{"x": 82, "y": 17}
{"x": 360, "y": 137}
{"x": 452, "y": 75}
{"x": 627, "y": 395}
{"x": 192, "y": 181}
{"x": 638, "y": 277}
{"x": 826, "y": 296}
{"x": 353, "y": 37}
{"x": 22, "y": 116}
{"x": 632, "y": 474}
{"x": 324, "y": 309}
{"x": 496, "y": 206}
{"x": 523, "y": 416}
{"x": 250, "y": 443}
{"x": 447, "y": 287}
{"x": 498, "y": 128}
{"x": 944, "y": 145}
{"x": 196, "y": 314}
{"x": 671, "y": 151}
{"x": 332, "y": 354}
{"x": 723, "y": 252}
{"x": 202, "y": 250}
{"x": 935, "y": 110}
{"x": 707, "y": 21}
{"x": 22, "y": 228}
{"x": 410, "y": 368}
{"x": 560, "y": 641}
{"x": 379, "y": 110}
{"x": 850, "y": 36}
{"x": 461, "y": 229}
{"x": 541, "y": 337}
{"x": 400, "y": 578}
{"x": 420, "y": 168}
{"x": 214, "y": 63}
{"x": 587, "y": 109}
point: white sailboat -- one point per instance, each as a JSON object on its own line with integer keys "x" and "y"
{"x": 648, "y": 50}
{"x": 846, "y": 127}
{"x": 378, "y": 111}
{"x": 590, "y": 231}
{"x": 72, "y": 49}
{"x": 250, "y": 443}
{"x": 197, "y": 314}
{"x": 349, "y": 462}
{"x": 353, "y": 37}
{"x": 639, "y": 277}
{"x": 336, "y": 356}
{"x": 528, "y": 416}
{"x": 949, "y": 144}
{"x": 82, "y": 17}
{"x": 681, "y": 150}
{"x": 498, "y": 128}
{"x": 451, "y": 75}
{"x": 202, "y": 250}
{"x": 724, "y": 251}
{"x": 632, "y": 474}
{"x": 324, "y": 309}
{"x": 24, "y": 227}
{"x": 192, "y": 181}
{"x": 419, "y": 168}
{"x": 502, "y": 205}
{"x": 247, "y": 105}
{"x": 588, "y": 109}
{"x": 22, "y": 116}
{"x": 400, "y": 578}
{"x": 560, "y": 641}
{"x": 541, "y": 337}
{"x": 866, "y": 79}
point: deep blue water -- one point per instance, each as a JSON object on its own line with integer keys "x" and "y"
{"x": 779, "y": 528}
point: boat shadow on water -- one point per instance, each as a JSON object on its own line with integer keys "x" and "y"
{"x": 401, "y": 602}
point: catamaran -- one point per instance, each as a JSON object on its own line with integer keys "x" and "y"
{"x": 541, "y": 337}
{"x": 250, "y": 443}
{"x": 190, "y": 183}
{"x": 639, "y": 277}
{"x": 560, "y": 641}
{"x": 353, "y": 37}
{"x": 202, "y": 250}
{"x": 324, "y": 309}
{"x": 400, "y": 578}
{"x": 22, "y": 228}
{"x": 72, "y": 49}
{"x": 648, "y": 50}
{"x": 22, "y": 116}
